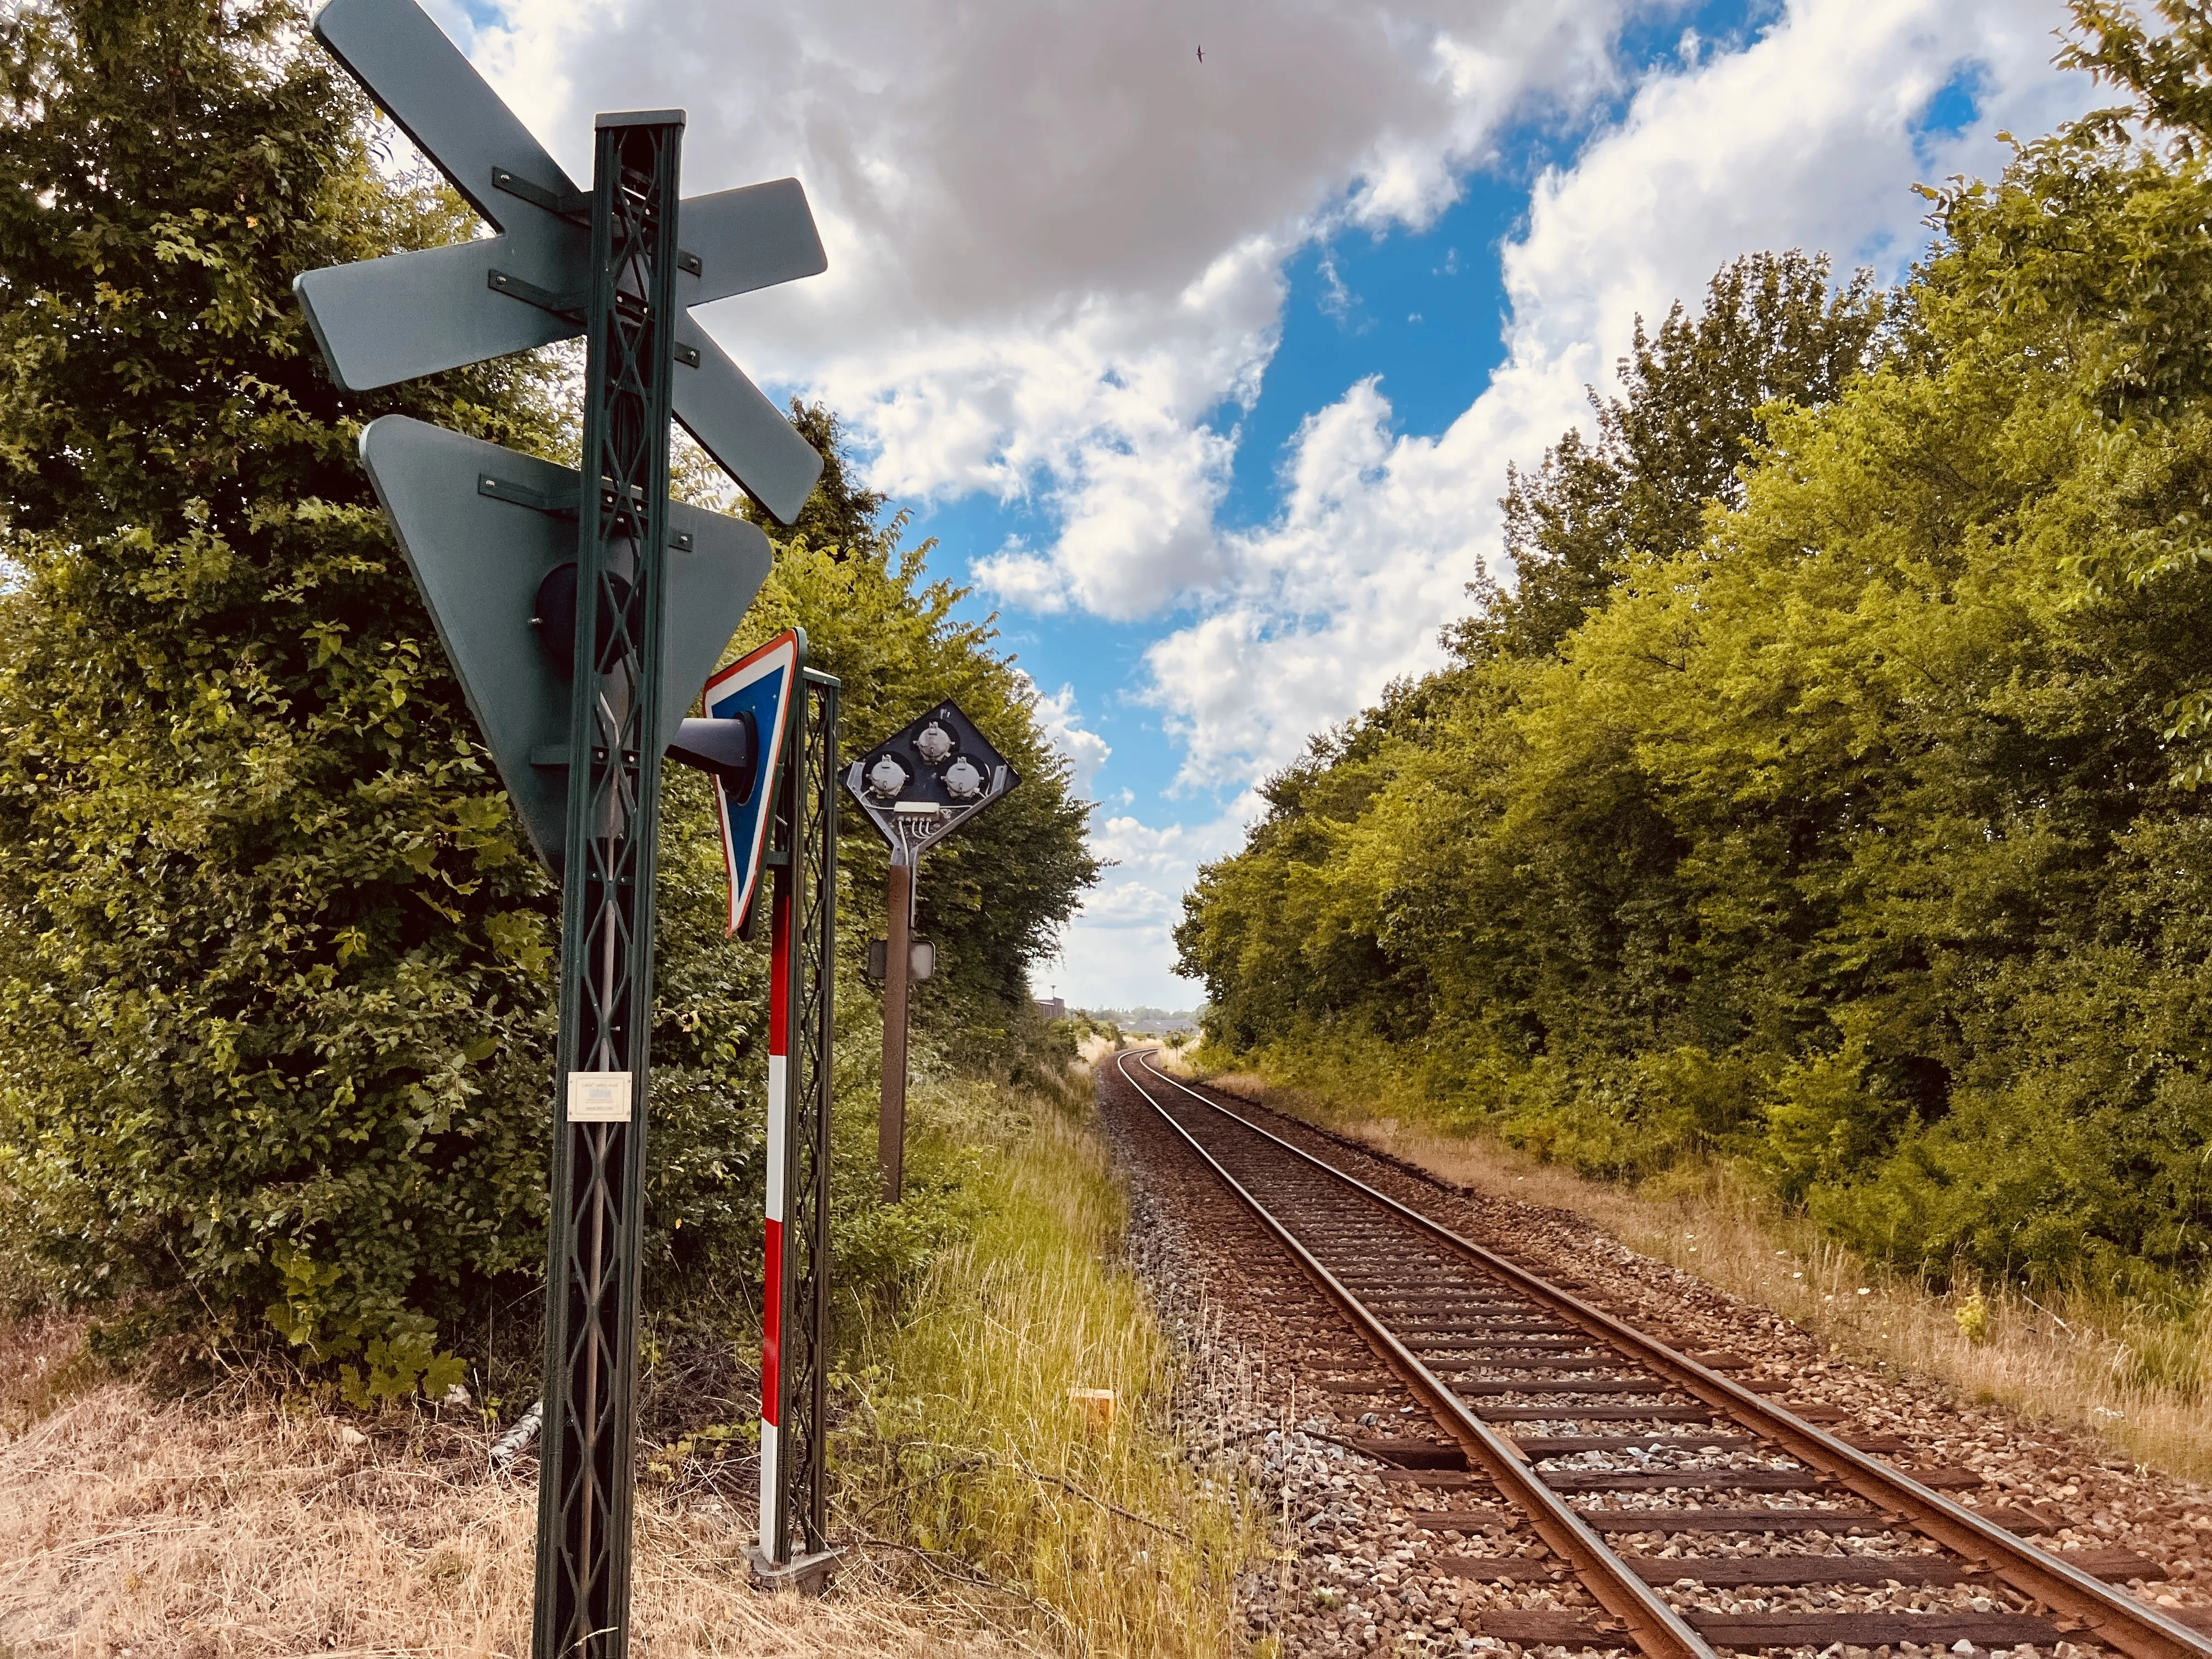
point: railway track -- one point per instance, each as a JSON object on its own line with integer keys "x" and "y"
{"x": 1559, "y": 1420}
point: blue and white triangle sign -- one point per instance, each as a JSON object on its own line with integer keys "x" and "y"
{"x": 758, "y": 683}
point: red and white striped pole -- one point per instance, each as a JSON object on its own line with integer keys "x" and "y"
{"x": 775, "y": 1296}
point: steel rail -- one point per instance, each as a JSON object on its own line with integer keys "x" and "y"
{"x": 2117, "y": 1619}
{"x": 1655, "y": 1627}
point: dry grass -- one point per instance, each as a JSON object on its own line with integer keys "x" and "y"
{"x": 1007, "y": 1519}
{"x": 2127, "y": 1375}
{"x": 42, "y": 1362}
{"x": 257, "y": 1525}
{"x": 131, "y": 1527}
{"x": 975, "y": 1446}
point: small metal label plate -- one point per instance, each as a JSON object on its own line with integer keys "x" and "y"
{"x": 598, "y": 1096}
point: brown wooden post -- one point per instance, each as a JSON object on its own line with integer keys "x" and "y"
{"x": 917, "y": 787}
{"x": 898, "y": 955}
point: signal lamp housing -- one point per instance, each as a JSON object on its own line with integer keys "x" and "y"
{"x": 728, "y": 749}
{"x": 554, "y": 615}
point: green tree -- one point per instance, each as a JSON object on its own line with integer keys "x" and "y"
{"x": 276, "y": 1013}
{"x": 1695, "y": 399}
{"x": 275, "y": 1007}
{"x": 1839, "y": 820}
{"x": 2140, "y": 311}
{"x": 1772, "y": 331}
{"x": 840, "y": 516}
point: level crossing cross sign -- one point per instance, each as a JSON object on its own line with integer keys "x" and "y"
{"x": 380, "y": 321}
{"x": 451, "y": 497}
{"x": 580, "y": 609}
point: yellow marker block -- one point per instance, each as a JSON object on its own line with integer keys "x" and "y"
{"x": 1096, "y": 1406}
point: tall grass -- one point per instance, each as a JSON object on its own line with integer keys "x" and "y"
{"x": 967, "y": 1445}
{"x": 129, "y": 1525}
{"x": 2132, "y": 1373}
{"x": 995, "y": 1513}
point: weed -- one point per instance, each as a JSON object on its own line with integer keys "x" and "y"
{"x": 1973, "y": 1317}
{"x": 970, "y": 1436}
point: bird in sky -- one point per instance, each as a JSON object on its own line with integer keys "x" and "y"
{"x": 1201, "y": 54}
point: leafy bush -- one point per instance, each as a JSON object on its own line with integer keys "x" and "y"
{"x": 274, "y": 1018}
{"x": 276, "y": 999}
{"x": 1823, "y": 794}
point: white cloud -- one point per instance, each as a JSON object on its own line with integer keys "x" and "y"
{"x": 1016, "y": 576}
{"x": 1806, "y": 139}
{"x": 1120, "y": 949}
{"x": 1061, "y": 722}
{"x": 1346, "y": 589}
{"x": 1055, "y": 237}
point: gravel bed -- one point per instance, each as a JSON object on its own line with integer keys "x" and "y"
{"x": 1357, "y": 1570}
{"x": 2103, "y": 1501}
{"x": 1354, "y": 1571}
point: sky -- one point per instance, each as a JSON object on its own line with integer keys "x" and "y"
{"x": 1203, "y": 375}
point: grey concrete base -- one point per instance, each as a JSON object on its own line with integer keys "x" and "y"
{"x": 807, "y": 1574}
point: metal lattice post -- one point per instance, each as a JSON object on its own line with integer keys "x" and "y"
{"x": 795, "y": 1371}
{"x": 587, "y": 1479}
{"x": 816, "y": 847}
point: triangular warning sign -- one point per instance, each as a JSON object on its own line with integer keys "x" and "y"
{"x": 481, "y": 527}
{"x": 759, "y": 683}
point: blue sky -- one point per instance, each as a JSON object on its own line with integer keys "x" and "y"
{"x": 1423, "y": 312}
{"x": 1205, "y": 377}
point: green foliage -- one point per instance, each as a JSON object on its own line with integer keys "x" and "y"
{"x": 399, "y": 1362}
{"x": 1770, "y": 331}
{"x": 1825, "y": 806}
{"x": 270, "y": 1020}
{"x": 276, "y": 999}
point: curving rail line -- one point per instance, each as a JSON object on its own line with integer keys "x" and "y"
{"x": 1478, "y": 1339}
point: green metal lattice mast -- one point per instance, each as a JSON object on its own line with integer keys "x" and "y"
{"x": 585, "y": 1479}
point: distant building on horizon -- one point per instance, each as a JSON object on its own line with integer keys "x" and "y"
{"x": 1051, "y": 1007}
{"x": 1146, "y": 1021}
